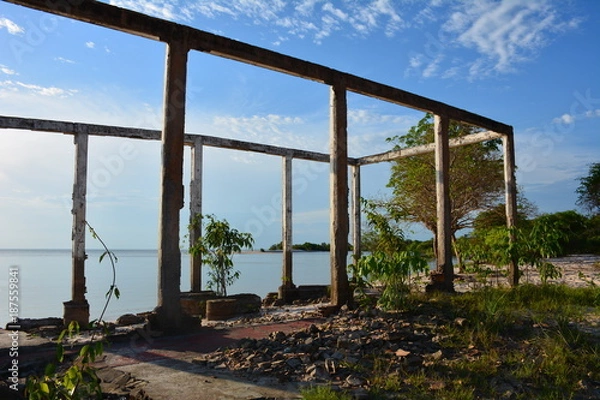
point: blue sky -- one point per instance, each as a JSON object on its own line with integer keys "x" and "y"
{"x": 531, "y": 64}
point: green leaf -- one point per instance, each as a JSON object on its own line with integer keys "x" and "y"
{"x": 50, "y": 369}
{"x": 44, "y": 388}
{"x": 83, "y": 353}
{"x": 60, "y": 352}
{"x": 117, "y": 292}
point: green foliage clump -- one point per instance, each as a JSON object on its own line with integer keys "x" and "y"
{"x": 78, "y": 382}
{"x": 217, "y": 246}
{"x": 529, "y": 245}
{"x": 387, "y": 266}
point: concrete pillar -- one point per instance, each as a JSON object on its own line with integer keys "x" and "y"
{"x": 171, "y": 189}
{"x": 195, "y": 210}
{"x": 78, "y": 309}
{"x": 287, "y": 283}
{"x": 338, "y": 178}
{"x": 442, "y": 181}
{"x": 356, "y": 237}
{"x": 510, "y": 187}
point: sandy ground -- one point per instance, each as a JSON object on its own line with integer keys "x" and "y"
{"x": 576, "y": 271}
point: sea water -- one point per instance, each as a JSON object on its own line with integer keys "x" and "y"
{"x": 44, "y": 279}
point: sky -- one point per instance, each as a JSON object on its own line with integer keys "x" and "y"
{"x": 530, "y": 64}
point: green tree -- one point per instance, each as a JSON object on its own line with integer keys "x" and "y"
{"x": 217, "y": 246}
{"x": 588, "y": 192}
{"x": 476, "y": 178}
{"x": 496, "y": 216}
{"x": 574, "y": 227}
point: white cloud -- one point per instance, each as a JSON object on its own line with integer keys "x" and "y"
{"x": 90, "y": 45}
{"x": 506, "y": 33}
{"x": 11, "y": 26}
{"x": 313, "y": 18}
{"x": 593, "y": 113}
{"x": 564, "y": 119}
{"x": 568, "y": 119}
{"x": 160, "y": 9}
{"x": 9, "y": 86}
{"x": 261, "y": 128}
{"x": 486, "y": 37}
{"x": 7, "y": 71}
{"x": 64, "y": 60}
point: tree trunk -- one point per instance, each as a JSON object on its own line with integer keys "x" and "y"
{"x": 459, "y": 261}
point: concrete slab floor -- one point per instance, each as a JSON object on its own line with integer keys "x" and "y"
{"x": 179, "y": 379}
{"x": 164, "y": 363}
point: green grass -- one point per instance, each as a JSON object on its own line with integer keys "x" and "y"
{"x": 323, "y": 393}
{"x": 523, "y": 340}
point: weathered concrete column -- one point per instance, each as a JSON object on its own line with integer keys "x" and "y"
{"x": 356, "y": 234}
{"x": 195, "y": 210}
{"x": 338, "y": 195}
{"x": 171, "y": 188}
{"x": 78, "y": 308}
{"x": 442, "y": 183}
{"x": 287, "y": 283}
{"x": 510, "y": 187}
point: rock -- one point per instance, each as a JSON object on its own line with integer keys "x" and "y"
{"x": 130, "y": 319}
{"x": 246, "y": 303}
{"x": 294, "y": 362}
{"x": 402, "y": 353}
{"x": 355, "y": 380}
{"x": 317, "y": 372}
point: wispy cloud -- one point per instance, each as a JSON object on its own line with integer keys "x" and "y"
{"x": 169, "y": 10}
{"x": 11, "y": 26}
{"x": 317, "y": 19}
{"x": 500, "y": 34}
{"x": 90, "y": 45}
{"x": 262, "y": 128}
{"x": 64, "y": 60}
{"x": 368, "y": 129}
{"x": 568, "y": 119}
{"x": 7, "y": 71}
{"x": 508, "y": 32}
{"x": 9, "y": 86}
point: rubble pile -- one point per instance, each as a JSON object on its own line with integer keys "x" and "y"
{"x": 342, "y": 351}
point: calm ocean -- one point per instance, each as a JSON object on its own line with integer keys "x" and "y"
{"x": 45, "y": 279}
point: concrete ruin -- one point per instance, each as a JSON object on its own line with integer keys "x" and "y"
{"x": 179, "y": 41}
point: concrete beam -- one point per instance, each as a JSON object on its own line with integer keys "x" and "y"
{"x": 510, "y": 188}
{"x": 195, "y": 210}
{"x": 442, "y": 181}
{"x": 338, "y": 178}
{"x": 287, "y": 283}
{"x": 78, "y": 309}
{"x": 168, "y": 309}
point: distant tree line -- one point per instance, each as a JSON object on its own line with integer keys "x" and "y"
{"x": 306, "y": 246}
